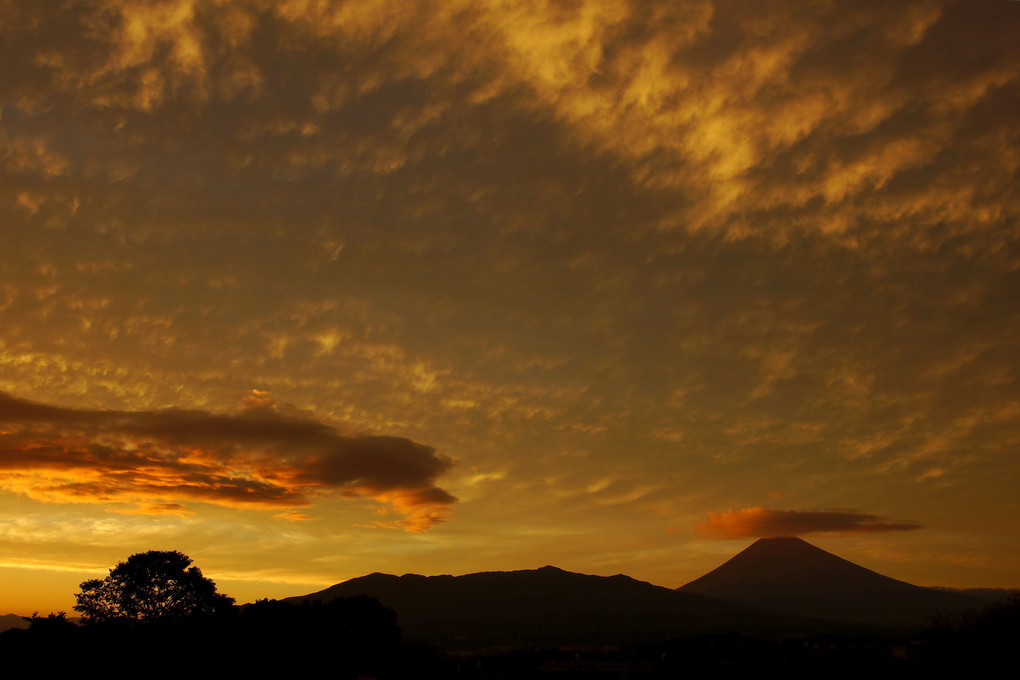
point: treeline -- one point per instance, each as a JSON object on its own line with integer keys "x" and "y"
{"x": 345, "y": 638}
{"x": 359, "y": 638}
{"x": 157, "y": 616}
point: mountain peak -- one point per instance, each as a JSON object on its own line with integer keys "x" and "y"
{"x": 783, "y": 545}
{"x": 789, "y": 575}
{"x": 783, "y": 541}
{"x": 792, "y": 540}
{"x": 787, "y": 564}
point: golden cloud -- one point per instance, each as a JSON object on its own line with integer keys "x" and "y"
{"x": 756, "y": 113}
{"x": 259, "y": 458}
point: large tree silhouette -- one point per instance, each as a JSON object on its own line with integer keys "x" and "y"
{"x": 150, "y": 586}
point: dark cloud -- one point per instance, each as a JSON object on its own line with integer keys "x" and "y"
{"x": 759, "y": 522}
{"x": 257, "y": 458}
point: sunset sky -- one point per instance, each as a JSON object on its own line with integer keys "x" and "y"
{"x": 310, "y": 289}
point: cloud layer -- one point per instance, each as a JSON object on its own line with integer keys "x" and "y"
{"x": 155, "y": 461}
{"x": 760, "y": 522}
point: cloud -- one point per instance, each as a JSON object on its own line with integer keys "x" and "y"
{"x": 292, "y": 516}
{"x": 262, "y": 457}
{"x": 757, "y": 522}
{"x": 836, "y": 119}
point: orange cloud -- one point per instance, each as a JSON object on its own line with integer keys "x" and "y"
{"x": 259, "y": 458}
{"x": 155, "y": 509}
{"x": 292, "y": 516}
{"x": 757, "y": 522}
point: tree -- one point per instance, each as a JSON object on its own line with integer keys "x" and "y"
{"x": 150, "y": 586}
{"x": 51, "y": 623}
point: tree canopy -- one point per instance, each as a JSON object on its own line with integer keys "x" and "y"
{"x": 150, "y": 586}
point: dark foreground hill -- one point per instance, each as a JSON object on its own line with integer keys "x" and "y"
{"x": 791, "y": 576}
{"x": 549, "y": 606}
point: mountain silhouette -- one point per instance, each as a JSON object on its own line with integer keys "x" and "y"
{"x": 550, "y": 606}
{"x": 8, "y": 621}
{"x": 790, "y": 576}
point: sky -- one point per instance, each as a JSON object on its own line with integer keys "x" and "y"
{"x": 310, "y": 289}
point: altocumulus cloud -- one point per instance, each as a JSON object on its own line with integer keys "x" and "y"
{"x": 261, "y": 457}
{"x": 760, "y": 522}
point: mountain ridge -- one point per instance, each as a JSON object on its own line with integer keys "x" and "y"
{"x": 777, "y": 587}
{"x": 551, "y": 606}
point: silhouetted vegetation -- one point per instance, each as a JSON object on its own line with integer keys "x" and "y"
{"x": 344, "y": 638}
{"x": 50, "y": 623}
{"x": 990, "y": 636}
{"x": 150, "y": 586}
{"x": 156, "y": 616}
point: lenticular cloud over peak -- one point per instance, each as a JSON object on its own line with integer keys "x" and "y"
{"x": 757, "y": 522}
